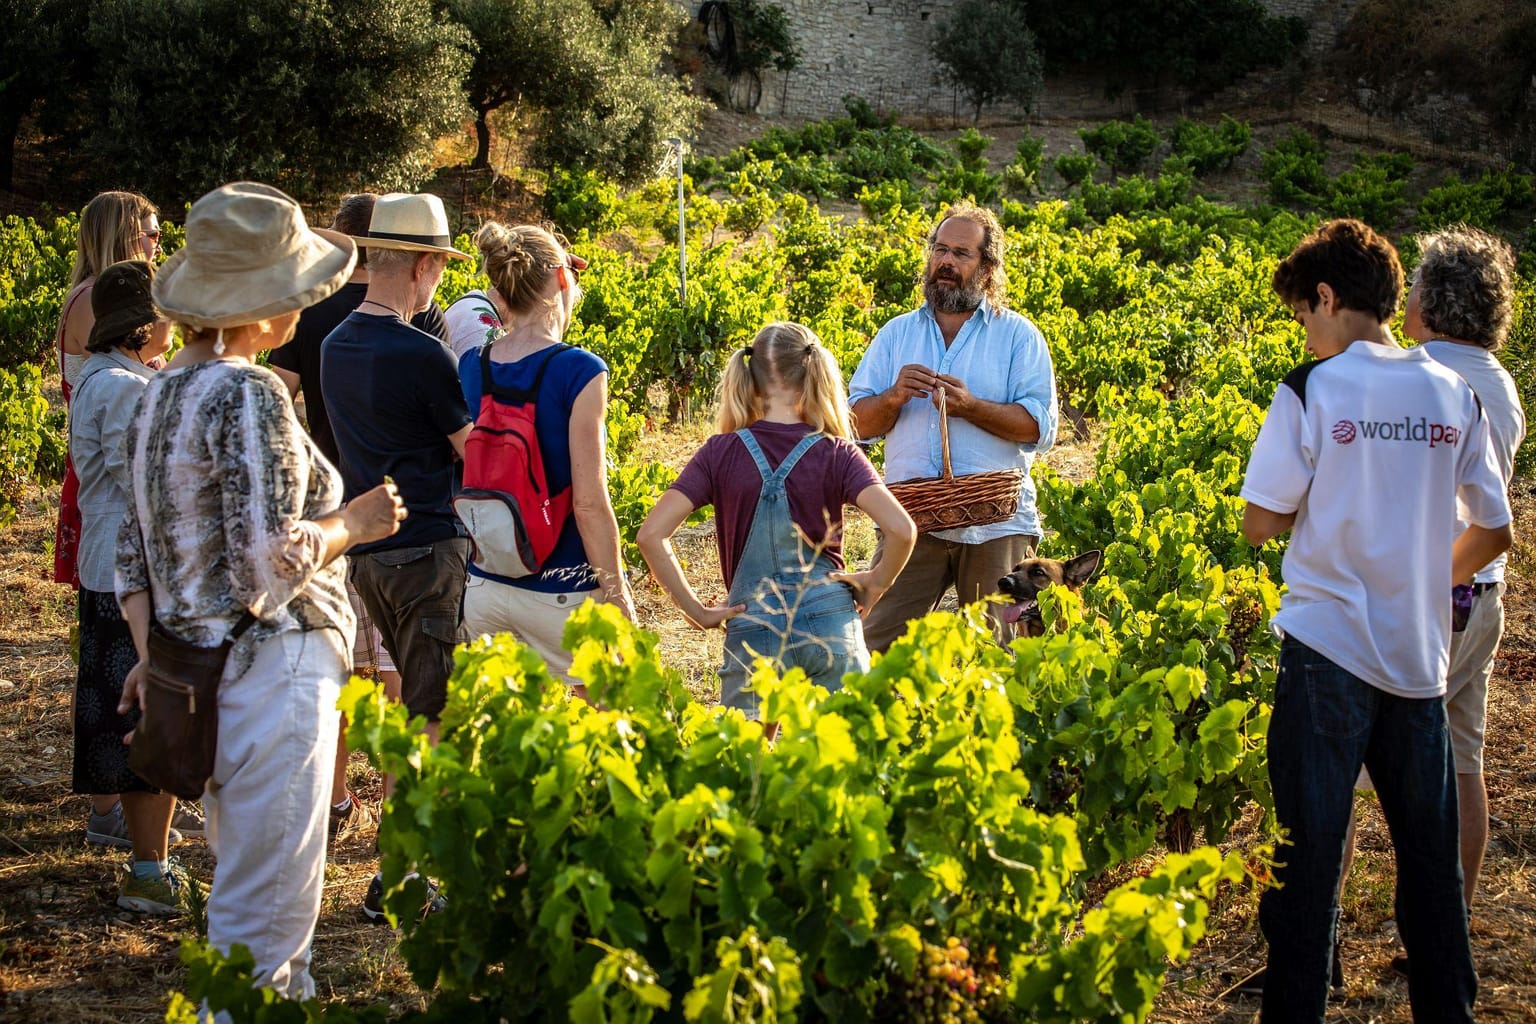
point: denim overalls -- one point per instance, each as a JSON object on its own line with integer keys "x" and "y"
{"x": 795, "y": 615}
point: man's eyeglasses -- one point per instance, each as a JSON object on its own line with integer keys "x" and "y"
{"x": 958, "y": 255}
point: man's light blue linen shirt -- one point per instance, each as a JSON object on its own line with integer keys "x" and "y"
{"x": 1001, "y": 357}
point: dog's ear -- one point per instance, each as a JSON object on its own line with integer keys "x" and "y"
{"x": 1077, "y": 571}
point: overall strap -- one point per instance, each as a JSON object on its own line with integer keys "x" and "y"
{"x": 806, "y": 444}
{"x": 756, "y": 451}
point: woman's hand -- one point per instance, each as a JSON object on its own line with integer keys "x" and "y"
{"x": 713, "y": 616}
{"x": 624, "y": 601}
{"x": 867, "y": 588}
{"x": 375, "y": 514}
{"x": 133, "y": 694}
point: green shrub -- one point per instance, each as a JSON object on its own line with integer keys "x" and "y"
{"x": 1022, "y": 176}
{"x": 1485, "y": 203}
{"x": 976, "y": 41}
{"x": 1210, "y": 148}
{"x": 1372, "y": 190}
{"x": 1122, "y": 145}
{"x": 1074, "y": 168}
{"x": 672, "y": 841}
{"x": 1518, "y": 355}
{"x": 1294, "y": 169}
{"x": 971, "y": 147}
{"x": 32, "y": 440}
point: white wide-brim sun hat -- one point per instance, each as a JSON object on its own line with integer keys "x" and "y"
{"x": 249, "y": 256}
{"x": 415, "y": 222}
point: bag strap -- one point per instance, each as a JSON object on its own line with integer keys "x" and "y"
{"x": 515, "y": 396}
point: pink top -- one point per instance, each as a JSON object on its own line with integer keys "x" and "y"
{"x": 832, "y": 474}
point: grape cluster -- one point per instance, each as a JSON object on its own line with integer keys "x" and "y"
{"x": 950, "y": 987}
{"x": 1241, "y": 622}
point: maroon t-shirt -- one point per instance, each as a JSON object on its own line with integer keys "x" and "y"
{"x": 832, "y": 474}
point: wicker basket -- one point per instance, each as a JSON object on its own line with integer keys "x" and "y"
{"x": 948, "y": 502}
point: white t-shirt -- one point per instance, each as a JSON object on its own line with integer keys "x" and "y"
{"x": 472, "y": 322}
{"x": 1495, "y": 388}
{"x": 1371, "y": 449}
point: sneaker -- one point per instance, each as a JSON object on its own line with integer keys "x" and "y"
{"x": 163, "y": 896}
{"x": 1400, "y": 966}
{"x": 188, "y": 821}
{"x": 111, "y": 829}
{"x": 373, "y": 903}
{"x": 355, "y": 817}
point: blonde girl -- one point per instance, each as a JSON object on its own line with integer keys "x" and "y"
{"x": 778, "y": 475}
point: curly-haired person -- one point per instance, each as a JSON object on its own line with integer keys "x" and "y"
{"x": 1367, "y": 457}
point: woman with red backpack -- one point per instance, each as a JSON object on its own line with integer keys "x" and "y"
{"x": 535, "y": 477}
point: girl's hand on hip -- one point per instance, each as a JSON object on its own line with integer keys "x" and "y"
{"x": 867, "y": 588}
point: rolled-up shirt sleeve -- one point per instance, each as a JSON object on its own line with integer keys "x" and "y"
{"x": 1032, "y": 382}
{"x": 263, "y": 476}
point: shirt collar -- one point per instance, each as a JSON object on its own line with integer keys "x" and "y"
{"x": 988, "y": 314}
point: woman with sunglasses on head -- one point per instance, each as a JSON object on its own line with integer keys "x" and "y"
{"x": 114, "y": 226}
{"x": 536, "y": 281}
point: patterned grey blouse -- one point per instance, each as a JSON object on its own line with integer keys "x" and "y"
{"x": 225, "y": 483}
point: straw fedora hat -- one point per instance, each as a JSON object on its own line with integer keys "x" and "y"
{"x": 249, "y": 256}
{"x": 413, "y": 221}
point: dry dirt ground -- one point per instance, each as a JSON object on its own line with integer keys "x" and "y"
{"x": 68, "y": 954}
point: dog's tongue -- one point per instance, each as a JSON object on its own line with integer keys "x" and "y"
{"x": 1015, "y": 612}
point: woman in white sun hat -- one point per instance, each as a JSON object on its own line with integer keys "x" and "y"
{"x": 235, "y": 513}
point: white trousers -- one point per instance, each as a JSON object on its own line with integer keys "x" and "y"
{"x": 268, "y": 804}
{"x": 535, "y": 618}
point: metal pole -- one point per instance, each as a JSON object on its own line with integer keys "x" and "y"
{"x": 682, "y": 225}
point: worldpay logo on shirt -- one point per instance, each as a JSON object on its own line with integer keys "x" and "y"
{"x": 1419, "y": 431}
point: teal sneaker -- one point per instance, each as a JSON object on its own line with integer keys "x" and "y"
{"x": 163, "y": 896}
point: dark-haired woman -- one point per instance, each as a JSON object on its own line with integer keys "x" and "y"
{"x": 126, "y": 334}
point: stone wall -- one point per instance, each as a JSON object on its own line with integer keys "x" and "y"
{"x": 879, "y": 49}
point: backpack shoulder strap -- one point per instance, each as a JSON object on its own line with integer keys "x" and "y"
{"x": 515, "y": 396}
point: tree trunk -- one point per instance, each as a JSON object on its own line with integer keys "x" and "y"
{"x": 10, "y": 124}
{"x": 482, "y": 138}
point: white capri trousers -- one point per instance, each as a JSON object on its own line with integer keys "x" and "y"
{"x": 268, "y": 803}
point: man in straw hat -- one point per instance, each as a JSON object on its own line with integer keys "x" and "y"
{"x": 298, "y": 364}
{"x": 397, "y": 411}
{"x": 994, "y": 369}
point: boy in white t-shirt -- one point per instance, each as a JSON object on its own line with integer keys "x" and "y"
{"x": 1362, "y": 457}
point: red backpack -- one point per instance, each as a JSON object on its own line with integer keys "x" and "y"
{"x": 506, "y": 505}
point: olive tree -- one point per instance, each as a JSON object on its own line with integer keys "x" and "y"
{"x": 314, "y": 96}
{"x": 986, "y": 49}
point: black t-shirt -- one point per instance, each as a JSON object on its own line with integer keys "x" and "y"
{"x": 394, "y": 398}
{"x": 302, "y": 354}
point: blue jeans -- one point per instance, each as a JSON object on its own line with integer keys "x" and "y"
{"x": 1326, "y": 723}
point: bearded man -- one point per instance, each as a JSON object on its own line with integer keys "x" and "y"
{"x": 994, "y": 370}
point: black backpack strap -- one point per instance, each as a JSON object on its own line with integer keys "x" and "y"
{"x": 515, "y": 396}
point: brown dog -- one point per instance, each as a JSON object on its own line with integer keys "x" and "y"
{"x": 1033, "y": 575}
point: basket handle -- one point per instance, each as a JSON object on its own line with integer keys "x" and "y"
{"x": 949, "y": 473}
